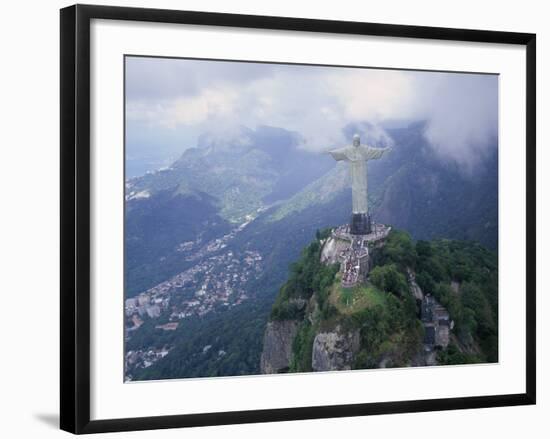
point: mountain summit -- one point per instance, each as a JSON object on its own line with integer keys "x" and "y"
{"x": 422, "y": 304}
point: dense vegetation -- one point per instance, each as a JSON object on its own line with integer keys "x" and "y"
{"x": 224, "y": 344}
{"x": 462, "y": 276}
{"x": 307, "y": 275}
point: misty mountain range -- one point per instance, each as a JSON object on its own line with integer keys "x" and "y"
{"x": 283, "y": 194}
{"x": 211, "y": 188}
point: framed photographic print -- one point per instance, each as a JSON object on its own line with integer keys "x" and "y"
{"x": 268, "y": 218}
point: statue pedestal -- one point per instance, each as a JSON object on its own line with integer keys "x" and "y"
{"x": 360, "y": 224}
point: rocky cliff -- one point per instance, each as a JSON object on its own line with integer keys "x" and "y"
{"x": 277, "y": 350}
{"x": 335, "y": 350}
{"x": 332, "y": 247}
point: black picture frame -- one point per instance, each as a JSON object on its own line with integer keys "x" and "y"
{"x": 75, "y": 217}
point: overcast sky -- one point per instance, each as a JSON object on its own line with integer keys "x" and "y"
{"x": 169, "y": 102}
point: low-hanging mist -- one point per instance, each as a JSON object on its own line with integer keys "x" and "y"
{"x": 171, "y": 102}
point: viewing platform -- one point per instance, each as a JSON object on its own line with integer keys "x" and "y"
{"x": 352, "y": 252}
{"x": 379, "y": 232}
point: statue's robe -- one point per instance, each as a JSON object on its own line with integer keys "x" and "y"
{"x": 357, "y": 156}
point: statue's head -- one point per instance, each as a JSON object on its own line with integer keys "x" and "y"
{"x": 356, "y": 140}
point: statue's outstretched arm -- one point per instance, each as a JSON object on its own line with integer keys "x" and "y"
{"x": 375, "y": 153}
{"x": 338, "y": 154}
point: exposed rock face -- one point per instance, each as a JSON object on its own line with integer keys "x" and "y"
{"x": 425, "y": 357}
{"x": 442, "y": 335}
{"x": 332, "y": 249}
{"x": 312, "y": 311}
{"x": 277, "y": 351}
{"x": 455, "y": 287}
{"x": 334, "y": 350}
{"x": 413, "y": 286}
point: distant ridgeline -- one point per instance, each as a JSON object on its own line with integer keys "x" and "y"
{"x": 423, "y": 303}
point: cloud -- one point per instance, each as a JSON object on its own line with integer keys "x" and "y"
{"x": 462, "y": 116}
{"x": 167, "y": 78}
{"x": 461, "y": 110}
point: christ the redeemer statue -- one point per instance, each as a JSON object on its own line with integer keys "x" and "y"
{"x": 357, "y": 155}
